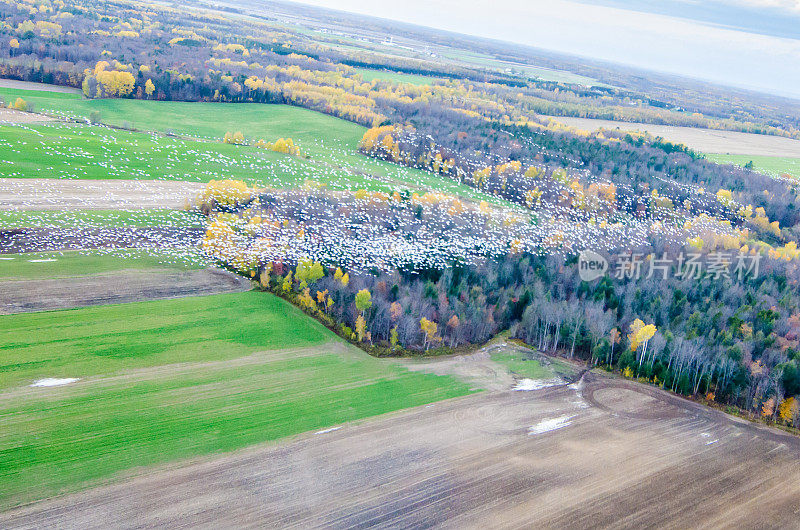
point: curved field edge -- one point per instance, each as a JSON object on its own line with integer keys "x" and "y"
{"x": 175, "y": 379}
{"x": 774, "y": 166}
{"x": 75, "y": 263}
{"x": 329, "y": 147}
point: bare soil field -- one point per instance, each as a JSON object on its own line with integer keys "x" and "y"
{"x": 22, "y": 296}
{"x": 21, "y": 240}
{"x": 704, "y": 140}
{"x": 28, "y": 85}
{"x": 16, "y": 117}
{"x": 476, "y": 368}
{"x": 61, "y": 194}
{"x": 599, "y": 453}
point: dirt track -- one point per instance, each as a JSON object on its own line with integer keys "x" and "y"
{"x": 603, "y": 453}
{"x": 11, "y": 116}
{"x": 114, "y": 288}
{"x": 61, "y": 194}
{"x": 29, "y": 85}
{"x": 705, "y": 140}
{"x": 19, "y": 240}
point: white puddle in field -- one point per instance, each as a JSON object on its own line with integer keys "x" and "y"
{"x": 550, "y": 424}
{"x": 526, "y": 385}
{"x": 323, "y": 431}
{"x": 41, "y": 260}
{"x": 54, "y": 381}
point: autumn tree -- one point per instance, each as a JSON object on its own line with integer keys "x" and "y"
{"x": 363, "y": 300}
{"x": 789, "y": 410}
{"x": 308, "y": 271}
{"x": 453, "y": 324}
{"x": 614, "y": 338}
{"x": 225, "y": 192}
{"x": 429, "y": 328}
{"x": 20, "y": 104}
{"x": 639, "y": 335}
{"x": 361, "y": 326}
{"x": 102, "y": 82}
{"x": 236, "y": 138}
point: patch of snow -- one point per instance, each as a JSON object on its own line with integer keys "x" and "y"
{"x": 526, "y": 385}
{"x": 42, "y": 260}
{"x": 54, "y": 381}
{"x": 323, "y": 431}
{"x": 7, "y": 259}
{"x": 550, "y": 424}
{"x": 712, "y": 442}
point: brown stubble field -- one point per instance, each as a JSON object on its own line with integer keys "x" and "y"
{"x": 68, "y": 194}
{"x": 602, "y": 452}
{"x": 22, "y": 296}
{"x": 705, "y": 140}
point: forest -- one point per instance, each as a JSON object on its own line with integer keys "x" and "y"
{"x": 120, "y": 48}
{"x": 405, "y": 272}
{"x": 385, "y": 283}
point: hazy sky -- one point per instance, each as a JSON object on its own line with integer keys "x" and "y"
{"x": 746, "y": 43}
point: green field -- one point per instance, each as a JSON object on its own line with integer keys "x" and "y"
{"x": 368, "y": 74}
{"x": 557, "y": 76}
{"x": 174, "y": 379}
{"x": 9, "y": 95}
{"x": 519, "y": 365}
{"x": 318, "y": 135}
{"x": 100, "y": 218}
{"x": 86, "y": 152}
{"x": 771, "y": 165}
{"x": 69, "y": 151}
{"x": 545, "y": 74}
{"x": 65, "y": 264}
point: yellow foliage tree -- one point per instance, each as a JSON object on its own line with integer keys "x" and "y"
{"x": 363, "y": 300}
{"x": 306, "y": 301}
{"x": 236, "y": 138}
{"x": 361, "y": 327}
{"x": 639, "y": 335}
{"x": 218, "y": 240}
{"x": 533, "y": 197}
{"x": 768, "y": 407}
{"x": 287, "y": 283}
{"x": 430, "y": 328}
{"x": 308, "y": 271}
{"x": 789, "y": 410}
{"x": 534, "y": 172}
{"x": 226, "y": 192}
{"x": 113, "y": 83}
{"x": 20, "y": 104}
{"x": 283, "y": 145}
{"x": 725, "y": 197}
{"x": 480, "y": 176}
